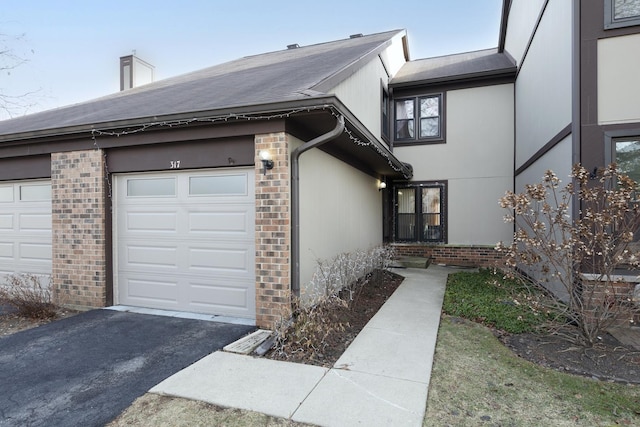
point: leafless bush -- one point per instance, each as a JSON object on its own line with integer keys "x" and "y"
{"x": 29, "y": 295}
{"x": 345, "y": 272}
{"x": 333, "y": 289}
{"x": 577, "y": 259}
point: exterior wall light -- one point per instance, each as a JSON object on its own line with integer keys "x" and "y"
{"x": 382, "y": 185}
{"x": 267, "y": 163}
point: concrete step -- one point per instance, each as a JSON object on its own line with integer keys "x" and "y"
{"x": 412, "y": 262}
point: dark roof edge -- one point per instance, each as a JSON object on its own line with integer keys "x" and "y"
{"x": 341, "y": 75}
{"x": 404, "y": 169}
{"x": 253, "y": 110}
{"x": 506, "y": 7}
{"x": 257, "y": 112}
{"x": 468, "y": 78}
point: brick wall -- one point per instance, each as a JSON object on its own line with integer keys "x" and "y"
{"x": 613, "y": 301}
{"x": 273, "y": 237}
{"x": 460, "y": 255}
{"x": 79, "y": 228}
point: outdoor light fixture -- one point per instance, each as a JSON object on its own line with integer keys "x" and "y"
{"x": 382, "y": 185}
{"x": 267, "y": 163}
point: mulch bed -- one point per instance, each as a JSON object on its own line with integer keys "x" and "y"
{"x": 607, "y": 360}
{"x": 367, "y": 303}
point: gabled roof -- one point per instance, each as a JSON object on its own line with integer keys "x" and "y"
{"x": 276, "y": 77}
{"x": 464, "y": 66}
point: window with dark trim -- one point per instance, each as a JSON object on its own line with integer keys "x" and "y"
{"x": 623, "y": 148}
{"x": 621, "y": 13}
{"x": 418, "y": 119}
{"x": 385, "y": 113}
{"x": 420, "y": 212}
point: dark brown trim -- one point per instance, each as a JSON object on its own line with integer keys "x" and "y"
{"x": 576, "y": 95}
{"x": 545, "y": 149}
{"x": 193, "y": 132}
{"x": 459, "y": 82}
{"x": 593, "y": 136}
{"x": 385, "y": 116}
{"x": 108, "y": 240}
{"x": 28, "y": 167}
{"x": 184, "y": 155}
{"x": 504, "y": 21}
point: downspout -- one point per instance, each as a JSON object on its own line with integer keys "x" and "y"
{"x": 295, "y": 198}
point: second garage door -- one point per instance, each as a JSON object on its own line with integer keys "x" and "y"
{"x": 185, "y": 241}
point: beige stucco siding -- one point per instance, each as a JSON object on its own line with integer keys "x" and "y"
{"x": 362, "y": 94}
{"x": 618, "y": 71}
{"x": 543, "y": 88}
{"x": 523, "y": 16}
{"x": 477, "y": 161}
{"x": 340, "y": 210}
{"x": 362, "y": 91}
{"x": 557, "y": 159}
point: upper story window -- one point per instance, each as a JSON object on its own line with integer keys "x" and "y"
{"x": 621, "y": 13}
{"x": 419, "y": 119}
{"x": 385, "y": 113}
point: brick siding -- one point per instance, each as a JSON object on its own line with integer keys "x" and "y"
{"x": 79, "y": 228}
{"x": 617, "y": 297}
{"x": 459, "y": 255}
{"x": 273, "y": 237}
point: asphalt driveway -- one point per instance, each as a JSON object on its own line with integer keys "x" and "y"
{"x": 86, "y": 369}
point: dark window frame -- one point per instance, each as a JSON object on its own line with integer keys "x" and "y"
{"x": 611, "y": 137}
{"x": 416, "y": 139}
{"x": 385, "y": 124}
{"x": 420, "y": 228}
{"x": 609, "y": 17}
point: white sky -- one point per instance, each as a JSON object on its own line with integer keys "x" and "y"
{"x": 73, "y": 46}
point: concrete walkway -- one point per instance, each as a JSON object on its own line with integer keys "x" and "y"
{"x": 382, "y": 379}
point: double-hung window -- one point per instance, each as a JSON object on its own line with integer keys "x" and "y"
{"x": 420, "y": 214}
{"x": 419, "y": 119}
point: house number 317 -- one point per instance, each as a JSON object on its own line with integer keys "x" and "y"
{"x": 174, "y": 164}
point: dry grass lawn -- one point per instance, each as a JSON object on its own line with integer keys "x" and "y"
{"x": 477, "y": 381}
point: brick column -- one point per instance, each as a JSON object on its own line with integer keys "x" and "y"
{"x": 273, "y": 231}
{"x": 79, "y": 228}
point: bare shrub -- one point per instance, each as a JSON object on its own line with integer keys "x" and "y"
{"x": 344, "y": 272}
{"x": 29, "y": 295}
{"x": 333, "y": 289}
{"x": 577, "y": 259}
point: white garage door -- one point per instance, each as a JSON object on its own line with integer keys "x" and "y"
{"x": 185, "y": 241}
{"x": 25, "y": 228}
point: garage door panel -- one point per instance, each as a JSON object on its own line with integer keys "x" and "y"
{"x": 146, "y": 255}
{"x": 35, "y": 252}
{"x": 35, "y": 222}
{"x": 203, "y": 240}
{"x": 218, "y": 296}
{"x": 7, "y": 250}
{"x": 25, "y": 224}
{"x": 152, "y": 290}
{"x": 233, "y": 222}
{"x": 6, "y": 222}
{"x": 152, "y": 222}
{"x": 218, "y": 260}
